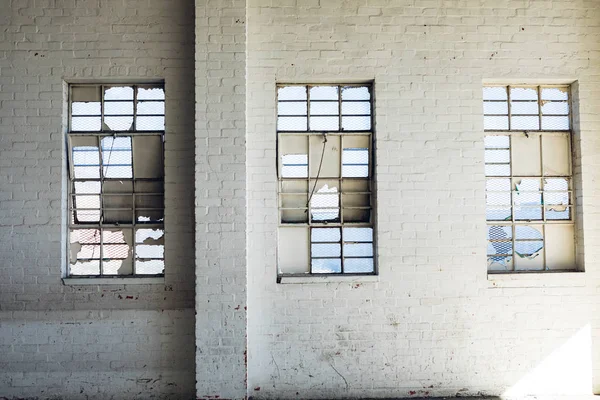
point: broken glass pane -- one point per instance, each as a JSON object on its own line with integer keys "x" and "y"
{"x": 496, "y": 232}
{"x": 528, "y": 248}
{"x": 149, "y": 236}
{"x": 148, "y": 216}
{"x": 117, "y": 267}
{"x": 556, "y": 198}
{"x": 356, "y": 265}
{"x": 558, "y": 213}
{"x": 355, "y": 93}
{"x": 149, "y": 267}
{"x": 523, "y": 93}
{"x": 87, "y": 267}
{"x": 291, "y": 93}
{"x": 325, "y": 202}
{"x": 528, "y": 232}
{"x": 325, "y": 266}
{"x": 150, "y": 93}
{"x": 118, "y": 93}
{"x": 555, "y": 108}
{"x": 498, "y": 213}
{"x": 495, "y": 248}
{"x": 119, "y": 123}
{"x": 555, "y": 93}
{"x": 500, "y": 263}
{"x": 118, "y": 108}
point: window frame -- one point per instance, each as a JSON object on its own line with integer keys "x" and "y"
{"x": 340, "y": 134}
{"x": 101, "y": 226}
{"x": 543, "y": 222}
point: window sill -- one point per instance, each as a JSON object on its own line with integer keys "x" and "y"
{"x": 152, "y": 280}
{"x": 301, "y": 279}
{"x": 546, "y": 279}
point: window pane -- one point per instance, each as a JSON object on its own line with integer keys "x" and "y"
{"x": 291, "y": 93}
{"x": 498, "y": 123}
{"x": 356, "y": 265}
{"x": 324, "y": 108}
{"x": 291, "y": 108}
{"x": 356, "y": 123}
{"x": 325, "y": 266}
{"x": 355, "y": 93}
{"x": 324, "y": 93}
{"x": 494, "y": 93}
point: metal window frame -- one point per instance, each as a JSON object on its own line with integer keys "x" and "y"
{"x": 369, "y": 180}
{"x": 510, "y": 133}
{"x": 101, "y": 226}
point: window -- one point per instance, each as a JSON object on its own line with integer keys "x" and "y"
{"x": 116, "y": 180}
{"x": 325, "y": 171}
{"x": 529, "y": 178}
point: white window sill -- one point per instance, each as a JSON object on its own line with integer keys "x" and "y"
{"x": 299, "y": 279}
{"x": 544, "y": 279}
{"x": 154, "y": 280}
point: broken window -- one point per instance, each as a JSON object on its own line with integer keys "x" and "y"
{"x": 116, "y": 180}
{"x": 325, "y": 170}
{"x": 529, "y": 179}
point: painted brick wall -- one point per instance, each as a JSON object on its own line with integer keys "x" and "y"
{"x": 90, "y": 341}
{"x": 433, "y": 324}
{"x": 220, "y": 199}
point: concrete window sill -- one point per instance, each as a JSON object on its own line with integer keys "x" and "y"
{"x": 154, "y": 280}
{"x": 299, "y": 279}
{"x": 537, "y": 279}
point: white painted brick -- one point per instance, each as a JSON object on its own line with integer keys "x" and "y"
{"x": 431, "y": 321}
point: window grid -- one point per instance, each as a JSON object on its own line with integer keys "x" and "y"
{"x": 553, "y": 196}
{"x": 139, "y": 238}
{"x": 306, "y": 134}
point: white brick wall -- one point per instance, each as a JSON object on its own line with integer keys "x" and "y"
{"x": 220, "y": 199}
{"x": 89, "y": 341}
{"x": 433, "y": 324}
